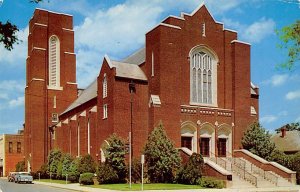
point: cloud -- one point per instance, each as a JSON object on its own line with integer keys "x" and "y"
{"x": 297, "y": 119}
{"x": 272, "y": 118}
{"x": 11, "y": 94}
{"x": 268, "y": 119}
{"x": 17, "y": 56}
{"x": 259, "y": 30}
{"x": 16, "y": 102}
{"x": 12, "y": 85}
{"x": 253, "y": 33}
{"x": 3, "y": 96}
{"x": 82, "y": 7}
{"x": 277, "y": 80}
{"x": 117, "y": 31}
{"x": 293, "y": 95}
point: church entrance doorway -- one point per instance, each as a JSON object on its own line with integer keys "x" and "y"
{"x": 222, "y": 147}
{"x": 204, "y": 147}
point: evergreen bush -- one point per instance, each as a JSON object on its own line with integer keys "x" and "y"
{"x": 257, "y": 140}
{"x": 106, "y": 174}
{"x": 191, "y": 172}
{"x": 209, "y": 182}
{"x": 86, "y": 179}
{"x": 86, "y": 164}
{"x": 161, "y": 158}
{"x": 115, "y": 156}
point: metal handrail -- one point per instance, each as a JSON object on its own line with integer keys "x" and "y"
{"x": 257, "y": 170}
{"x": 239, "y": 162}
{"x": 218, "y": 160}
{"x": 271, "y": 177}
{"x": 244, "y": 174}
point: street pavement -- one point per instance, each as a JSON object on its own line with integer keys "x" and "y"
{"x": 6, "y": 186}
{"x": 55, "y": 187}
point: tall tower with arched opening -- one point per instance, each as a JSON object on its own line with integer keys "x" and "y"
{"x": 50, "y": 81}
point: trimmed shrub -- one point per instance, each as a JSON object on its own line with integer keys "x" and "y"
{"x": 191, "y": 172}
{"x": 86, "y": 164}
{"x": 136, "y": 171}
{"x": 210, "y": 182}
{"x": 106, "y": 174}
{"x": 86, "y": 179}
{"x": 73, "y": 174}
{"x": 44, "y": 174}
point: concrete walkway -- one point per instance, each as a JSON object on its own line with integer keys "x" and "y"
{"x": 77, "y": 187}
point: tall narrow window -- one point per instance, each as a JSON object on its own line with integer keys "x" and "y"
{"x": 19, "y": 147}
{"x": 203, "y": 78}
{"x": 54, "y": 62}
{"x": 10, "y": 147}
{"x": 203, "y": 30}
{"x": 104, "y": 86}
{"x": 104, "y": 111}
{"x": 152, "y": 64}
{"x": 54, "y": 102}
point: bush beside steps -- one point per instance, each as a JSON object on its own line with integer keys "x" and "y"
{"x": 86, "y": 179}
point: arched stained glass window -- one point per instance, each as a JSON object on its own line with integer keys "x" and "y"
{"x": 202, "y": 78}
{"x": 54, "y": 61}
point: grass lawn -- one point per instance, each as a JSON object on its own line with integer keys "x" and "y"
{"x": 53, "y": 181}
{"x": 152, "y": 186}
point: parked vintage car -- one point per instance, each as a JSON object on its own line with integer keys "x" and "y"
{"x": 11, "y": 176}
{"x": 23, "y": 177}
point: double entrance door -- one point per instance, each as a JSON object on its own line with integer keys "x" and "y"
{"x": 204, "y": 144}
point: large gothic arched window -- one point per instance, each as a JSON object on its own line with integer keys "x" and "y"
{"x": 203, "y": 77}
{"x": 54, "y": 62}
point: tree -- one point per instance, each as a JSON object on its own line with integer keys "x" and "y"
{"x": 20, "y": 166}
{"x": 73, "y": 174}
{"x": 191, "y": 172}
{"x": 54, "y": 159}
{"x": 115, "y": 156}
{"x": 66, "y": 164}
{"x": 289, "y": 127}
{"x": 162, "y": 159}
{"x": 86, "y": 164}
{"x": 8, "y": 32}
{"x": 257, "y": 140}
{"x": 290, "y": 37}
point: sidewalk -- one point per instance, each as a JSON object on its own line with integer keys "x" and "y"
{"x": 77, "y": 187}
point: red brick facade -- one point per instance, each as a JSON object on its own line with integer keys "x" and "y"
{"x": 162, "y": 75}
{"x": 11, "y": 153}
{"x": 41, "y": 101}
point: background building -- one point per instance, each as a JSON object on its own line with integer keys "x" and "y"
{"x": 11, "y": 152}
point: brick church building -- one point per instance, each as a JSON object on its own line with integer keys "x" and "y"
{"x": 192, "y": 75}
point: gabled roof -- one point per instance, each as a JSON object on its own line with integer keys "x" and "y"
{"x": 136, "y": 58}
{"x": 289, "y": 143}
{"x": 89, "y": 93}
{"x": 252, "y": 89}
{"x": 128, "y": 70}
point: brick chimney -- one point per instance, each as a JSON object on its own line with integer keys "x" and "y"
{"x": 283, "y": 132}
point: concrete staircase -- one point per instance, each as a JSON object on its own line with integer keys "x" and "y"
{"x": 247, "y": 175}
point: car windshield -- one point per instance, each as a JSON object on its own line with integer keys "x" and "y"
{"x": 24, "y": 173}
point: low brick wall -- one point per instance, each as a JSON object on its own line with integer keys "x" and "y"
{"x": 267, "y": 166}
